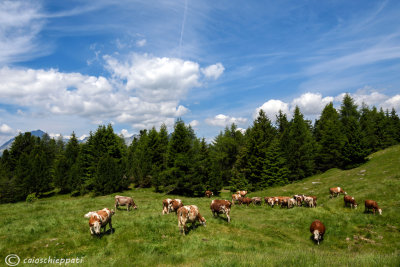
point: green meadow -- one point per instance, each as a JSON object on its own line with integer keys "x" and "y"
{"x": 257, "y": 235}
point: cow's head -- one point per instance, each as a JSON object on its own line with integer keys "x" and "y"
{"x": 355, "y": 205}
{"x": 112, "y": 212}
{"x": 380, "y": 211}
{"x": 202, "y": 221}
{"x": 95, "y": 227}
{"x": 317, "y": 236}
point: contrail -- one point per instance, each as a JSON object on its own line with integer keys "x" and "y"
{"x": 183, "y": 28}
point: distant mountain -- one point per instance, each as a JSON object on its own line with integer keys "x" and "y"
{"x": 40, "y": 133}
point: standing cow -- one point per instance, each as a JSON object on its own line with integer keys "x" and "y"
{"x": 317, "y": 228}
{"x": 235, "y": 198}
{"x": 242, "y": 193}
{"x": 350, "y": 200}
{"x": 221, "y": 206}
{"x": 99, "y": 219}
{"x": 209, "y": 193}
{"x": 335, "y": 191}
{"x": 371, "y": 204}
{"x": 256, "y": 200}
{"x": 174, "y": 205}
{"x": 124, "y": 201}
{"x": 189, "y": 214}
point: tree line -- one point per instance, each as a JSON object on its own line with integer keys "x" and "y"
{"x": 266, "y": 154}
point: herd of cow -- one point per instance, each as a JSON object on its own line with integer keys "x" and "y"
{"x": 190, "y": 213}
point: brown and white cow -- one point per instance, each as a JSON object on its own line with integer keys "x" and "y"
{"x": 335, "y": 191}
{"x": 245, "y": 200}
{"x": 99, "y": 219}
{"x": 371, "y": 204}
{"x": 242, "y": 193}
{"x": 189, "y": 214}
{"x": 299, "y": 199}
{"x": 221, "y": 207}
{"x": 174, "y": 205}
{"x": 209, "y": 193}
{"x": 350, "y": 200}
{"x": 256, "y": 200}
{"x": 235, "y": 198}
{"x": 270, "y": 201}
{"x": 165, "y": 203}
{"x": 124, "y": 201}
{"x": 309, "y": 202}
{"x": 317, "y": 228}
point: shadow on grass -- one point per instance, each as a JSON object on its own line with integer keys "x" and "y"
{"x": 315, "y": 242}
{"x": 108, "y": 232}
{"x": 220, "y": 218}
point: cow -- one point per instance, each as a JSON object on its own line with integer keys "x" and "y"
{"x": 235, "y": 198}
{"x": 256, "y": 200}
{"x": 335, "y": 191}
{"x": 189, "y": 214}
{"x": 299, "y": 199}
{"x": 221, "y": 206}
{"x": 165, "y": 203}
{"x": 270, "y": 201}
{"x": 174, "y": 205}
{"x": 371, "y": 204}
{"x": 291, "y": 203}
{"x": 309, "y": 202}
{"x": 99, "y": 219}
{"x": 124, "y": 201}
{"x": 350, "y": 200}
{"x": 242, "y": 193}
{"x": 317, "y": 228}
{"x": 209, "y": 193}
{"x": 279, "y": 200}
{"x": 245, "y": 200}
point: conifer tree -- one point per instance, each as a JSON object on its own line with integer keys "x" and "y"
{"x": 275, "y": 171}
{"x": 300, "y": 152}
{"x": 330, "y": 139}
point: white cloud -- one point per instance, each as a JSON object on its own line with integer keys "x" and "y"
{"x": 194, "y": 123}
{"x": 311, "y": 104}
{"x": 223, "y": 120}
{"x": 141, "y": 43}
{"x": 144, "y": 91}
{"x": 213, "y": 71}
{"x": 393, "y": 102}
{"x": 272, "y": 107}
{"x": 6, "y": 130}
{"x": 21, "y": 22}
{"x": 125, "y": 133}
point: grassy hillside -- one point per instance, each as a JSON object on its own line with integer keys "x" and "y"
{"x": 256, "y": 236}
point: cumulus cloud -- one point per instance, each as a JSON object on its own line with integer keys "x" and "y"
{"x": 311, "y": 104}
{"x": 272, "y": 107}
{"x": 194, "y": 123}
{"x": 224, "y": 120}
{"x": 6, "y": 130}
{"x": 144, "y": 91}
{"x": 213, "y": 71}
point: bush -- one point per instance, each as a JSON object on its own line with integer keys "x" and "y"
{"x": 31, "y": 198}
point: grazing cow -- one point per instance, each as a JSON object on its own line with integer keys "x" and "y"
{"x": 335, "y": 191}
{"x": 174, "y": 205}
{"x": 165, "y": 203}
{"x": 256, "y": 200}
{"x": 99, "y": 219}
{"x": 245, "y": 200}
{"x": 370, "y": 204}
{"x": 350, "y": 200}
{"x": 291, "y": 203}
{"x": 279, "y": 200}
{"x": 235, "y": 198}
{"x": 209, "y": 193}
{"x": 299, "y": 199}
{"x": 189, "y": 214}
{"x": 242, "y": 193}
{"x": 271, "y": 201}
{"x": 309, "y": 202}
{"x": 124, "y": 201}
{"x": 317, "y": 228}
{"x": 221, "y": 206}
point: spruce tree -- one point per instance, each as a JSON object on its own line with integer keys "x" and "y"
{"x": 275, "y": 171}
{"x": 300, "y": 151}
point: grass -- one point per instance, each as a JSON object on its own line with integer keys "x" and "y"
{"x": 257, "y": 235}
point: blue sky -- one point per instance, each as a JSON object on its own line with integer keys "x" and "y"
{"x": 72, "y": 65}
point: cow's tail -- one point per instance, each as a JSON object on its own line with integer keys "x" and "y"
{"x": 89, "y": 214}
